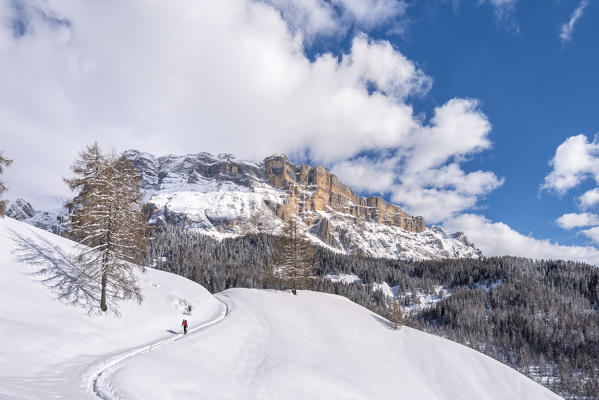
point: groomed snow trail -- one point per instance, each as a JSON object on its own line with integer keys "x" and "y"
{"x": 97, "y": 379}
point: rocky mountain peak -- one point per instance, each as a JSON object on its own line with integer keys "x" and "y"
{"x": 224, "y": 196}
{"x": 20, "y": 210}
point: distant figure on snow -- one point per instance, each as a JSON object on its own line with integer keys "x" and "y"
{"x": 184, "y": 325}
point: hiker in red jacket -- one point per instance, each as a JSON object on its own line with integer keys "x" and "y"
{"x": 184, "y": 325}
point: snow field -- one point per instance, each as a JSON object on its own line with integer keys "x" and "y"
{"x": 274, "y": 345}
{"x": 48, "y": 345}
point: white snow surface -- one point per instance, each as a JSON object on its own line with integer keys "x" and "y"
{"x": 343, "y": 278}
{"x": 48, "y": 345}
{"x": 274, "y": 345}
{"x": 270, "y": 345}
{"x": 207, "y": 201}
{"x": 425, "y": 300}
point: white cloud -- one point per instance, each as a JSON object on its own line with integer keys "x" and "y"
{"x": 334, "y": 17}
{"x": 427, "y": 177}
{"x": 567, "y": 29}
{"x": 364, "y": 174}
{"x": 497, "y": 239}
{"x": 573, "y": 220}
{"x": 575, "y": 160}
{"x": 192, "y": 76}
{"x": 589, "y": 199}
{"x": 592, "y": 234}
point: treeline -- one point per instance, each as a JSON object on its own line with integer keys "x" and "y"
{"x": 539, "y": 317}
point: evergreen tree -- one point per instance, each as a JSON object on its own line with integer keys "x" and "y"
{"x": 106, "y": 216}
{"x": 395, "y": 315}
{"x": 3, "y": 162}
{"x": 294, "y": 258}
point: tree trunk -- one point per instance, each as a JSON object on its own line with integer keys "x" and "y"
{"x": 103, "y": 305}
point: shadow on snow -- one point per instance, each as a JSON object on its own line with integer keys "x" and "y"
{"x": 59, "y": 272}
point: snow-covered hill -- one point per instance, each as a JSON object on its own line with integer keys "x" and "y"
{"x": 271, "y": 345}
{"x": 47, "y": 344}
{"x": 222, "y": 196}
{"x": 274, "y": 345}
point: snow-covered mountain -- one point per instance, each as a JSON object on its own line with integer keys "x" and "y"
{"x": 49, "y": 220}
{"x": 243, "y": 344}
{"x": 20, "y": 210}
{"x": 223, "y": 196}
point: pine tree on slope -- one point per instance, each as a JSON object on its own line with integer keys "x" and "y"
{"x": 6, "y": 162}
{"x": 294, "y": 258}
{"x": 395, "y": 315}
{"x": 106, "y": 217}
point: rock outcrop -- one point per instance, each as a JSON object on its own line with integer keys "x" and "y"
{"x": 20, "y": 210}
{"x": 51, "y": 220}
{"x": 223, "y": 196}
{"x": 316, "y": 189}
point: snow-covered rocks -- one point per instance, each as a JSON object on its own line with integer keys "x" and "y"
{"x": 48, "y": 220}
{"x": 343, "y": 278}
{"x": 222, "y": 196}
{"x": 20, "y": 210}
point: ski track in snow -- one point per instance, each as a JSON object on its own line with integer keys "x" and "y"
{"x": 97, "y": 380}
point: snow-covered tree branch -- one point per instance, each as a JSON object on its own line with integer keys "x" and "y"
{"x": 106, "y": 216}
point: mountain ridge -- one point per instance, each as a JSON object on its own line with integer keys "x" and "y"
{"x": 223, "y": 196}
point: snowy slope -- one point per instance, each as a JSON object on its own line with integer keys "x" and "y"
{"x": 316, "y": 346}
{"x": 271, "y": 345}
{"x": 48, "y": 345}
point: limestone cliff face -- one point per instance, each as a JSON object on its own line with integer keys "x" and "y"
{"x": 316, "y": 189}
{"x": 223, "y": 196}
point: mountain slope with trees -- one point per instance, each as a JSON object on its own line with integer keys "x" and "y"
{"x": 269, "y": 344}
{"x": 540, "y": 317}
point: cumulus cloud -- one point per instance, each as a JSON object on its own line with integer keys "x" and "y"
{"x": 589, "y": 199}
{"x": 567, "y": 29}
{"x": 333, "y": 17}
{"x": 575, "y": 160}
{"x": 497, "y": 239}
{"x": 192, "y": 76}
{"x": 427, "y": 175}
{"x": 573, "y": 220}
{"x": 367, "y": 175}
{"x": 592, "y": 233}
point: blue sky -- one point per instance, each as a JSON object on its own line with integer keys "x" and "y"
{"x": 536, "y": 91}
{"x": 536, "y": 88}
{"x": 453, "y": 109}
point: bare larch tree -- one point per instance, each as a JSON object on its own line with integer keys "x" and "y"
{"x": 294, "y": 258}
{"x": 106, "y": 216}
{"x": 395, "y": 314}
{"x": 4, "y": 162}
